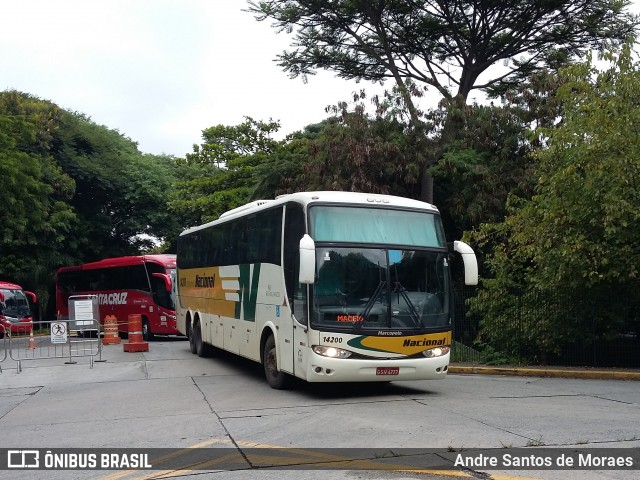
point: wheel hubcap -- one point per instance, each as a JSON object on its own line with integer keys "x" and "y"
{"x": 271, "y": 362}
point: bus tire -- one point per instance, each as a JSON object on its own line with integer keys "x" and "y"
{"x": 147, "y": 334}
{"x": 192, "y": 340}
{"x": 275, "y": 378}
{"x": 202, "y": 348}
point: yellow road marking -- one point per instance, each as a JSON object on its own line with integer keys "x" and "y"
{"x": 302, "y": 456}
{"x": 169, "y": 456}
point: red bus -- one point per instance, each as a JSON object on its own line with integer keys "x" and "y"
{"x": 15, "y": 312}
{"x": 140, "y": 284}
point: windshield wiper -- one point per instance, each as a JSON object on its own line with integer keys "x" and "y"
{"x": 401, "y": 291}
{"x": 370, "y": 303}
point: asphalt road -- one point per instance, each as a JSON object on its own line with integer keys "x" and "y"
{"x": 169, "y": 398}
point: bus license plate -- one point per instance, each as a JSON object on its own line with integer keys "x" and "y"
{"x": 387, "y": 370}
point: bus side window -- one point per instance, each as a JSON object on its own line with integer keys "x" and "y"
{"x": 94, "y": 281}
{"x": 294, "y": 230}
{"x": 137, "y": 278}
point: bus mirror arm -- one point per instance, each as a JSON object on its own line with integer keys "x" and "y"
{"x": 166, "y": 278}
{"x": 307, "y": 260}
{"x": 32, "y": 296}
{"x": 470, "y": 262}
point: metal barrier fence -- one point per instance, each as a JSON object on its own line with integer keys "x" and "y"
{"x": 53, "y": 339}
{"x": 513, "y": 330}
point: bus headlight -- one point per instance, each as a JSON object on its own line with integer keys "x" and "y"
{"x": 436, "y": 352}
{"x": 332, "y": 352}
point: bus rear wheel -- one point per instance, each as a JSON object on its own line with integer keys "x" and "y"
{"x": 192, "y": 340}
{"x": 202, "y": 348}
{"x": 275, "y": 378}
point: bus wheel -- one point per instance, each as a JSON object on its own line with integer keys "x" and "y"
{"x": 147, "y": 335}
{"x": 192, "y": 340}
{"x": 202, "y": 348}
{"x": 275, "y": 378}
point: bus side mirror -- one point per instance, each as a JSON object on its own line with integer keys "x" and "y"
{"x": 166, "y": 278}
{"x": 32, "y": 296}
{"x": 307, "y": 260}
{"x": 470, "y": 262}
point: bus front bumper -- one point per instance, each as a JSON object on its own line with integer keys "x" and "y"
{"x": 326, "y": 369}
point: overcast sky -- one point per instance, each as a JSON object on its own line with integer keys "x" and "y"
{"x": 159, "y": 71}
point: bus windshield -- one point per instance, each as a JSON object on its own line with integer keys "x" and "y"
{"x": 364, "y": 289}
{"x": 14, "y": 304}
{"x": 376, "y": 225}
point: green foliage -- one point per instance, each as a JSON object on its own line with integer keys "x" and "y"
{"x": 414, "y": 44}
{"x": 483, "y": 161}
{"x": 120, "y": 193}
{"x": 277, "y": 173}
{"x": 348, "y": 151}
{"x": 222, "y": 172}
{"x": 72, "y": 191}
{"x": 35, "y": 219}
{"x": 575, "y": 238}
{"x": 354, "y": 152}
{"x": 418, "y": 41}
{"x": 587, "y": 205}
{"x": 490, "y": 356}
{"x": 223, "y": 144}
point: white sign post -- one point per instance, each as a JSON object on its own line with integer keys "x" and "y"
{"x": 58, "y": 332}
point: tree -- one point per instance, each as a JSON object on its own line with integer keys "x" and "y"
{"x": 278, "y": 172}
{"x": 220, "y": 174}
{"x": 587, "y": 202}
{"x": 354, "y": 152}
{"x": 488, "y": 160}
{"x": 577, "y": 235}
{"x": 35, "y": 218}
{"x": 120, "y": 194}
{"x": 72, "y": 191}
{"x": 440, "y": 42}
{"x": 165, "y": 225}
{"x": 450, "y": 46}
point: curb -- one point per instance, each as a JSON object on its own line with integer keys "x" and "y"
{"x": 548, "y": 372}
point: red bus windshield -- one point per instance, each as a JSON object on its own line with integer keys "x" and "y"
{"x": 13, "y": 303}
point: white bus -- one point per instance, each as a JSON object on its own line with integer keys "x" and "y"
{"x": 323, "y": 286}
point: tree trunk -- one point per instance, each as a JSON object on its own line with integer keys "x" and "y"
{"x": 426, "y": 185}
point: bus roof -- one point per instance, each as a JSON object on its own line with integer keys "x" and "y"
{"x": 308, "y": 198}
{"x": 10, "y": 286}
{"x": 167, "y": 260}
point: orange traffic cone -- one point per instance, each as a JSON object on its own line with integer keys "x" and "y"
{"x": 32, "y": 341}
{"x": 110, "y": 336}
{"x": 136, "y": 342}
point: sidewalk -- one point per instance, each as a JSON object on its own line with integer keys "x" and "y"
{"x": 551, "y": 372}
